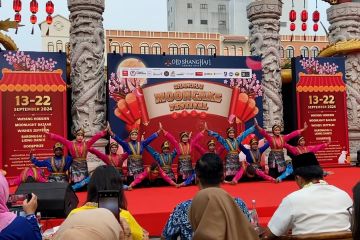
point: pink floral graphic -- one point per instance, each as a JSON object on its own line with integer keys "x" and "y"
{"x": 312, "y": 66}
{"x": 22, "y": 62}
{"x": 119, "y": 87}
{"x": 250, "y": 86}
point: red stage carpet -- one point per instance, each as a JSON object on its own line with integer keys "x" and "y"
{"x": 151, "y": 206}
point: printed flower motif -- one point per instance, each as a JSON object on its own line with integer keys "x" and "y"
{"x": 250, "y": 86}
{"x": 312, "y": 66}
{"x": 119, "y": 87}
{"x": 22, "y": 62}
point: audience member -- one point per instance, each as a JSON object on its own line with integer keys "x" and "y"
{"x": 95, "y": 224}
{"x": 209, "y": 171}
{"x": 108, "y": 178}
{"x": 317, "y": 207}
{"x": 17, "y": 227}
{"x": 355, "y": 212}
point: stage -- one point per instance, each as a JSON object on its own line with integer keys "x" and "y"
{"x": 151, "y": 206}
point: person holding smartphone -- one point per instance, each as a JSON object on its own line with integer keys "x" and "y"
{"x": 17, "y": 227}
{"x": 107, "y": 178}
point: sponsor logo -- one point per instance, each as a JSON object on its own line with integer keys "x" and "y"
{"x": 231, "y": 74}
{"x": 166, "y": 73}
{"x": 199, "y": 74}
{"x": 125, "y": 73}
{"x": 188, "y": 62}
{"x": 237, "y": 74}
{"x": 245, "y": 74}
{"x": 172, "y": 74}
{"x": 225, "y": 74}
{"x": 132, "y": 73}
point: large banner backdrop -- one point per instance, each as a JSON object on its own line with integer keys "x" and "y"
{"x": 321, "y": 101}
{"x": 32, "y": 96}
{"x": 182, "y": 92}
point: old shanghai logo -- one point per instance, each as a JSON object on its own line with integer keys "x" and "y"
{"x": 188, "y": 62}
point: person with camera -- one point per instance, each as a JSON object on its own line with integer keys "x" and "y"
{"x": 17, "y": 227}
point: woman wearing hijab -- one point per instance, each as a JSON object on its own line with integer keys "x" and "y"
{"x": 95, "y": 224}
{"x": 17, "y": 227}
{"x": 213, "y": 214}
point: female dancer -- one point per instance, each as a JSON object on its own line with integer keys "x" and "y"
{"x": 184, "y": 149}
{"x": 78, "y": 149}
{"x": 135, "y": 149}
{"x": 276, "y": 159}
{"x": 300, "y": 149}
{"x": 164, "y": 159}
{"x": 231, "y": 144}
{"x": 114, "y": 159}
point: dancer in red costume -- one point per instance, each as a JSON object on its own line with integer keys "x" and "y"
{"x": 78, "y": 149}
{"x": 29, "y": 174}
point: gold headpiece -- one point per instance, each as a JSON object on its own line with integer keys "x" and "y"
{"x": 211, "y": 142}
{"x": 230, "y": 129}
{"x": 300, "y": 138}
{"x": 134, "y": 131}
{"x": 79, "y": 131}
{"x": 182, "y": 134}
{"x": 253, "y": 140}
{"x": 165, "y": 144}
{"x": 58, "y": 145}
{"x": 114, "y": 144}
{"x": 276, "y": 126}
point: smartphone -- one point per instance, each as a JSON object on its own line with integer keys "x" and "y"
{"x": 16, "y": 200}
{"x": 109, "y": 199}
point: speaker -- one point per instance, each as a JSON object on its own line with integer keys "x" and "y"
{"x": 55, "y": 199}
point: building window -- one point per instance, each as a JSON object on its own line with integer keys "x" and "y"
{"x": 289, "y": 52}
{"x": 314, "y": 51}
{"x": 184, "y": 49}
{"x": 127, "y": 48}
{"x": 305, "y": 52}
{"x": 222, "y": 8}
{"x": 226, "y": 51}
{"x": 203, "y": 6}
{"x": 211, "y": 49}
{"x": 282, "y": 54}
{"x": 189, "y": 5}
{"x": 115, "y": 47}
{"x": 156, "y": 49}
{"x": 144, "y": 48}
{"x": 173, "y": 49}
{"x": 50, "y": 47}
{"x": 232, "y": 50}
{"x": 200, "y": 49}
{"x": 240, "y": 51}
{"x": 203, "y": 22}
{"x": 190, "y": 21}
{"x": 59, "y": 46}
{"x": 222, "y": 24}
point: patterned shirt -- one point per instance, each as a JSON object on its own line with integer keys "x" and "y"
{"x": 178, "y": 224}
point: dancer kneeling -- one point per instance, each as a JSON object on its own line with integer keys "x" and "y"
{"x": 58, "y": 165}
{"x": 252, "y": 166}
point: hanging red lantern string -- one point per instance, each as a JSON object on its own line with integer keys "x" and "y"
{"x": 34, "y": 7}
{"x": 304, "y": 17}
{"x": 17, "y": 8}
{"x": 316, "y": 19}
{"x": 292, "y": 18}
{"x": 49, "y": 10}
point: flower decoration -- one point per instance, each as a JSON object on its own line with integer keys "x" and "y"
{"x": 250, "y": 86}
{"x": 23, "y": 62}
{"x": 312, "y": 66}
{"x": 120, "y": 87}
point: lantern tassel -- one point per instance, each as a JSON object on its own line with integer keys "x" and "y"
{"x": 32, "y": 30}
{"x": 16, "y": 30}
{"x": 315, "y": 38}
{"x": 304, "y": 37}
{"x": 47, "y": 32}
{"x": 291, "y": 39}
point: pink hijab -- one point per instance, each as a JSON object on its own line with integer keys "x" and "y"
{"x": 6, "y": 217}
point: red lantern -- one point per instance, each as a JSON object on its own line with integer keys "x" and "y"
{"x": 304, "y": 16}
{"x": 316, "y": 16}
{"x": 292, "y": 15}
{"x": 17, "y": 5}
{"x": 292, "y": 27}
{"x": 34, "y": 6}
{"x": 49, "y": 19}
{"x": 33, "y": 19}
{"x": 303, "y": 27}
{"x": 49, "y": 7}
{"x": 315, "y": 27}
{"x": 17, "y": 17}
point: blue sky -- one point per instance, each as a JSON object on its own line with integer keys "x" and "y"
{"x": 119, "y": 14}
